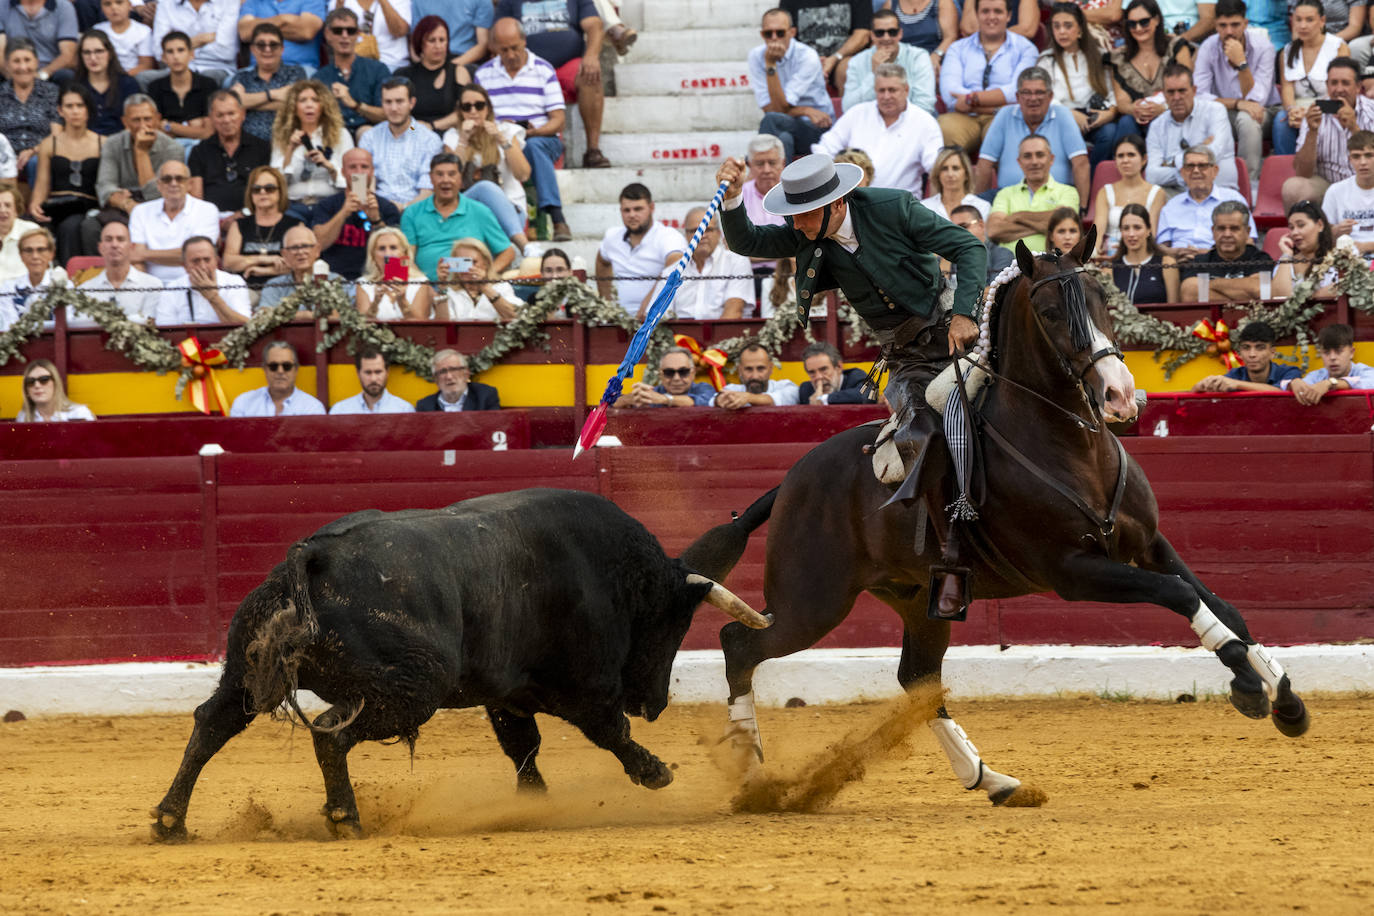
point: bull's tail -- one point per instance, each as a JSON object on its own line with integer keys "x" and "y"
{"x": 275, "y": 653}
{"x": 717, "y": 551}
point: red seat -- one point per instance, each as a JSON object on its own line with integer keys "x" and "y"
{"x": 1271, "y": 241}
{"x": 82, "y": 262}
{"x": 1105, "y": 173}
{"x": 1269, "y": 206}
{"x": 1243, "y": 179}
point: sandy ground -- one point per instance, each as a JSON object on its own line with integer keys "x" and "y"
{"x": 1153, "y": 808}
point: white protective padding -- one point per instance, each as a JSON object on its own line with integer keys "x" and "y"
{"x": 742, "y": 708}
{"x": 1210, "y": 631}
{"x": 1267, "y": 667}
{"x": 888, "y": 466}
{"x": 940, "y": 389}
{"x": 963, "y": 756}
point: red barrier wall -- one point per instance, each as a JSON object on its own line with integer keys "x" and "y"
{"x": 134, "y": 554}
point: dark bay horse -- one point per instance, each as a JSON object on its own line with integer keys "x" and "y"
{"x": 1063, "y": 509}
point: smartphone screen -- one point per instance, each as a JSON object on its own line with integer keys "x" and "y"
{"x": 395, "y": 269}
{"x": 458, "y": 265}
{"x": 359, "y": 186}
{"x": 1329, "y": 106}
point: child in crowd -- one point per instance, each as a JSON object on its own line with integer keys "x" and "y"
{"x": 1337, "y": 343}
{"x": 1260, "y": 373}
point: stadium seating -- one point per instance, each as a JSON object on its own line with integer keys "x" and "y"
{"x": 1271, "y": 241}
{"x": 1269, "y": 206}
{"x": 1105, "y": 173}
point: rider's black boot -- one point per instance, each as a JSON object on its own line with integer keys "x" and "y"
{"x": 949, "y": 590}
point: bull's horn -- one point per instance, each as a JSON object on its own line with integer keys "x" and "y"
{"x": 730, "y": 603}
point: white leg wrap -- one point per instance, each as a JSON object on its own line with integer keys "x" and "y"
{"x": 1212, "y": 632}
{"x": 1267, "y": 667}
{"x": 963, "y": 756}
{"x": 743, "y": 723}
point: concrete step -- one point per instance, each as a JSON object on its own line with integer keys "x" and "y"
{"x": 649, "y": 113}
{"x": 671, "y": 15}
{"x": 707, "y": 77}
{"x": 688, "y": 45}
{"x": 667, "y": 182}
{"x": 592, "y": 220}
{"x": 694, "y": 147}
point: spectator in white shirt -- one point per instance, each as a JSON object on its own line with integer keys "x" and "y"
{"x": 901, "y": 139}
{"x": 160, "y": 227}
{"x": 213, "y": 27}
{"x": 213, "y": 296}
{"x": 1190, "y": 122}
{"x": 133, "y": 41}
{"x": 710, "y": 299}
{"x": 136, "y": 293}
{"x": 1349, "y": 204}
{"x": 280, "y": 398}
{"x": 757, "y": 386}
{"x": 374, "y": 398}
{"x": 18, "y": 294}
{"x": 638, "y": 248}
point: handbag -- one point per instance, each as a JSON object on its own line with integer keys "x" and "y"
{"x": 367, "y": 42}
{"x": 60, "y": 206}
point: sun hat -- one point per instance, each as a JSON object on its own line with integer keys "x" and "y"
{"x": 810, "y": 183}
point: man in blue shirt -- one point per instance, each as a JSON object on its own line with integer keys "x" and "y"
{"x": 435, "y": 223}
{"x": 1034, "y": 113}
{"x": 789, "y": 85}
{"x": 1340, "y": 372}
{"x": 356, "y": 82}
{"x": 52, "y": 27}
{"x": 1260, "y": 373}
{"x": 978, "y": 75}
{"x": 299, "y": 20}
{"x": 677, "y": 389}
{"x": 401, "y": 149}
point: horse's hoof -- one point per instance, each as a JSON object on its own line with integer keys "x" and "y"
{"x": 344, "y": 825}
{"x": 1252, "y": 705}
{"x": 168, "y": 828}
{"x": 1020, "y": 796}
{"x": 1290, "y": 712}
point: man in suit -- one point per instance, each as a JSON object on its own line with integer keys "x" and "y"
{"x": 830, "y": 382}
{"x": 879, "y": 246}
{"x": 456, "y": 392}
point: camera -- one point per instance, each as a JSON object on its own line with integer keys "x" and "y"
{"x": 1098, "y": 102}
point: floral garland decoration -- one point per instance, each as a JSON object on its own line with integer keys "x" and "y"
{"x": 136, "y": 340}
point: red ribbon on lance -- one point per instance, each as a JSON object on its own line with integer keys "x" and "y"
{"x": 206, "y": 394}
{"x": 1219, "y": 336}
{"x": 712, "y": 360}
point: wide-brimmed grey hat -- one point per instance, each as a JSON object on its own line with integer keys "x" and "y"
{"x": 810, "y": 183}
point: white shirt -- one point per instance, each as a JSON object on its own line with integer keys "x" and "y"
{"x": 393, "y": 50}
{"x": 387, "y": 308}
{"x": 902, "y": 153}
{"x": 139, "y": 296}
{"x": 644, "y": 260}
{"x": 704, "y": 300}
{"x": 1347, "y": 200}
{"x": 135, "y": 42}
{"x": 10, "y": 263}
{"x": 218, "y": 16}
{"x": 510, "y": 133}
{"x": 177, "y": 307}
{"x": 935, "y": 205}
{"x": 17, "y": 294}
{"x": 387, "y": 403}
{"x": 461, "y": 306}
{"x": 259, "y": 403}
{"x": 75, "y": 412}
{"x": 150, "y": 225}
{"x": 784, "y": 393}
{"x": 306, "y": 181}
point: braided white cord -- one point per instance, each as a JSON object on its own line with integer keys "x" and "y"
{"x": 983, "y": 348}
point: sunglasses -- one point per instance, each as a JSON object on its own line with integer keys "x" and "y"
{"x": 266, "y": 45}
{"x": 264, "y": 189}
{"x": 473, "y": 106}
{"x": 295, "y": 248}
{"x": 280, "y": 367}
{"x": 886, "y": 33}
{"x": 33, "y": 381}
{"x": 173, "y": 179}
{"x": 343, "y": 30}
{"x": 44, "y": 250}
{"x": 1135, "y": 25}
{"x": 987, "y": 75}
{"x": 676, "y": 373}
{"x": 773, "y": 33}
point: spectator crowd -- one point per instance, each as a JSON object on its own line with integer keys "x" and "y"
{"x": 213, "y": 155}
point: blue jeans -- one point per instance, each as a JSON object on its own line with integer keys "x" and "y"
{"x": 1106, "y": 137}
{"x": 502, "y": 207}
{"x": 796, "y": 134}
{"x": 543, "y": 152}
{"x": 1285, "y": 138}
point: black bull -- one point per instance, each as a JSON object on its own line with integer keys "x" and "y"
{"x": 537, "y": 601}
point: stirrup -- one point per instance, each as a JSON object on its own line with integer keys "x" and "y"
{"x": 937, "y": 574}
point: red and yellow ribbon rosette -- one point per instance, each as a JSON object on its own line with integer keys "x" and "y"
{"x": 1219, "y": 336}
{"x": 206, "y": 394}
{"x": 712, "y": 360}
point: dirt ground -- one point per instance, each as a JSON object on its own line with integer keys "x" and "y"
{"x": 1153, "y": 808}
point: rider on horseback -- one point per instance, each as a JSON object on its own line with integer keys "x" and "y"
{"x": 879, "y": 247}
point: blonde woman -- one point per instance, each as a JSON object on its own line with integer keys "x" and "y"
{"x": 394, "y": 300}
{"x": 476, "y": 295}
{"x": 308, "y": 143}
{"x": 252, "y": 243}
{"x": 860, "y": 158}
{"x": 45, "y": 398}
{"x": 952, "y": 179}
{"x": 17, "y": 294}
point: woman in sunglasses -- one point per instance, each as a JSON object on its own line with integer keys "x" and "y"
{"x": 1139, "y": 67}
{"x": 45, "y": 398}
{"x": 494, "y": 163}
{"x": 64, "y": 188}
{"x": 252, "y": 243}
{"x": 308, "y": 143}
{"x": 99, "y": 70}
{"x": 434, "y": 75}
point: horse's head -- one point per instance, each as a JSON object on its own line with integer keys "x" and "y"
{"x": 1069, "y": 308}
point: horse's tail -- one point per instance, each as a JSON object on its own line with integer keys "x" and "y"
{"x": 717, "y": 551}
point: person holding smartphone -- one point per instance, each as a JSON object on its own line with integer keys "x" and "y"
{"x": 344, "y": 221}
{"x": 472, "y": 292}
{"x": 391, "y": 288}
{"x": 1323, "y": 157}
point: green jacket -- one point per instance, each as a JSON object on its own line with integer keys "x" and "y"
{"x": 893, "y": 275}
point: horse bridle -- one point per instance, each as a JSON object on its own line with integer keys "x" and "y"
{"x": 1071, "y": 285}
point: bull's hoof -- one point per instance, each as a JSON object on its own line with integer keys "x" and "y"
{"x": 168, "y": 828}
{"x": 1251, "y": 704}
{"x": 656, "y": 778}
{"x": 1020, "y": 796}
{"x": 531, "y": 785}
{"x": 344, "y": 825}
{"x": 1290, "y": 712}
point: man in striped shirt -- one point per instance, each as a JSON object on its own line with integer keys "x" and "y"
{"x": 524, "y": 89}
{"x": 1322, "y": 158}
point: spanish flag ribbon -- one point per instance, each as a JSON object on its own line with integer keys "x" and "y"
{"x": 712, "y": 360}
{"x": 206, "y": 394}
{"x": 1219, "y": 336}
